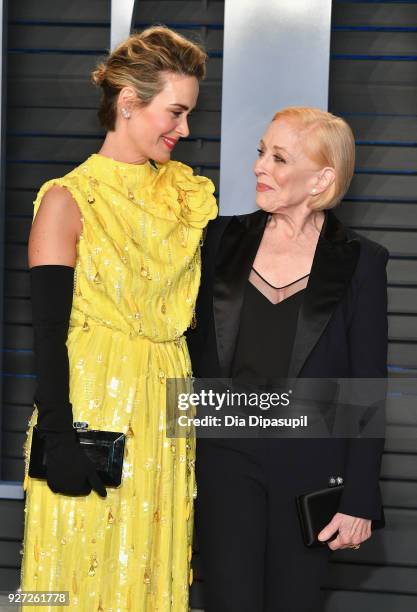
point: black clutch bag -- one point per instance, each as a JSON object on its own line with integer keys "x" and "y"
{"x": 316, "y": 510}
{"x": 104, "y": 448}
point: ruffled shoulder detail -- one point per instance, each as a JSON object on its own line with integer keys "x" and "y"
{"x": 189, "y": 197}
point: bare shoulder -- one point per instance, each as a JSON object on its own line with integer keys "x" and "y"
{"x": 58, "y": 205}
{"x": 56, "y": 229}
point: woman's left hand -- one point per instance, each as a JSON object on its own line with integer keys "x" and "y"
{"x": 352, "y": 531}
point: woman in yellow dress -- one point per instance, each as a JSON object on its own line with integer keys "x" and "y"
{"x": 127, "y": 232}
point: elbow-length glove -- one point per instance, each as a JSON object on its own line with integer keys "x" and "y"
{"x": 69, "y": 471}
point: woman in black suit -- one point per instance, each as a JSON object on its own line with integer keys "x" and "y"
{"x": 287, "y": 291}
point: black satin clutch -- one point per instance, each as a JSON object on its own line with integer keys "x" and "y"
{"x": 104, "y": 448}
{"x": 316, "y": 510}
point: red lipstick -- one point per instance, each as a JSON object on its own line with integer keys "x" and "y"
{"x": 169, "y": 142}
{"x": 262, "y": 187}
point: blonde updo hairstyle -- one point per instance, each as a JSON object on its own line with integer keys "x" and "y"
{"x": 140, "y": 62}
{"x": 328, "y": 141}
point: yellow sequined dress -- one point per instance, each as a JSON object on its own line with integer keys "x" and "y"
{"x": 137, "y": 275}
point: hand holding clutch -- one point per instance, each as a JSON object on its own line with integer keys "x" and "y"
{"x": 68, "y": 469}
{"x": 347, "y": 531}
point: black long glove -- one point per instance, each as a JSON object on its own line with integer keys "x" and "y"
{"x": 69, "y": 471}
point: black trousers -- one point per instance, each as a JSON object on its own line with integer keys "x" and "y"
{"x": 251, "y": 551}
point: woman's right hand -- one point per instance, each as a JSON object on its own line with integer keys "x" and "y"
{"x": 69, "y": 470}
{"x": 53, "y": 241}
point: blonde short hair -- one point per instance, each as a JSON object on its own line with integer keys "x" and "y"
{"x": 327, "y": 140}
{"x": 140, "y": 62}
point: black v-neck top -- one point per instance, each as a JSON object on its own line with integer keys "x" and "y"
{"x": 266, "y": 336}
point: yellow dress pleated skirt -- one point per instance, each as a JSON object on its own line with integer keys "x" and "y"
{"x": 136, "y": 280}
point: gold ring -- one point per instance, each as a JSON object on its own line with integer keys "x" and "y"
{"x": 355, "y": 546}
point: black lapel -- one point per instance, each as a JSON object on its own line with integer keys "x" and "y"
{"x": 333, "y": 265}
{"x": 236, "y": 254}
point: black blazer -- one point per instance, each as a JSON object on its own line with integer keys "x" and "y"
{"x": 341, "y": 333}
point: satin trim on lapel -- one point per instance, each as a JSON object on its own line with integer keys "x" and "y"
{"x": 333, "y": 266}
{"x": 236, "y": 254}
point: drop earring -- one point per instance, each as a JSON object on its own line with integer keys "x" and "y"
{"x": 125, "y": 113}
